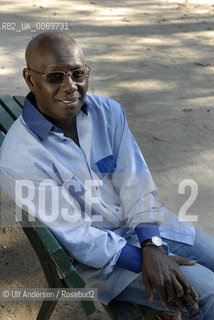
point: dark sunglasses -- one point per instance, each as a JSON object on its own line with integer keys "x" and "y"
{"x": 77, "y": 75}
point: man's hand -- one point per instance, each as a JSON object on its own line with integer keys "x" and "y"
{"x": 162, "y": 272}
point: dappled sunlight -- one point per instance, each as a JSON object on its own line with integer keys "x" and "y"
{"x": 190, "y": 53}
{"x": 99, "y": 12}
{"x": 161, "y": 40}
{"x": 6, "y": 56}
{"x": 203, "y": 37}
{"x": 143, "y": 32}
{"x": 201, "y": 101}
{"x": 120, "y": 14}
{"x": 18, "y": 6}
{"x": 6, "y": 72}
{"x": 11, "y": 65}
{"x": 145, "y": 85}
{"x": 108, "y": 11}
{"x": 120, "y": 58}
{"x": 207, "y": 157}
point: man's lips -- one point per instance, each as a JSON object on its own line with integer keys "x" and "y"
{"x": 67, "y": 101}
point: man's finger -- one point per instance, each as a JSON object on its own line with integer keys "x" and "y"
{"x": 194, "y": 294}
{"x": 178, "y": 288}
{"x": 162, "y": 293}
{"x": 181, "y": 304}
{"x": 188, "y": 289}
{"x": 191, "y": 301}
{"x": 171, "y": 292}
{"x": 184, "y": 261}
{"x": 148, "y": 289}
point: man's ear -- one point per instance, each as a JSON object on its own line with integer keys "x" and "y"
{"x": 28, "y": 79}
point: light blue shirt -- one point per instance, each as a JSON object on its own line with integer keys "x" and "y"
{"x": 99, "y": 199}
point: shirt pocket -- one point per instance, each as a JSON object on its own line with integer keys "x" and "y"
{"x": 106, "y": 165}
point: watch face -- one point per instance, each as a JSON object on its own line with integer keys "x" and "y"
{"x": 157, "y": 241}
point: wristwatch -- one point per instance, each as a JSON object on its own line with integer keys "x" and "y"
{"x": 153, "y": 241}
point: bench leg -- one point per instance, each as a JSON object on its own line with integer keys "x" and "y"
{"x": 46, "y": 310}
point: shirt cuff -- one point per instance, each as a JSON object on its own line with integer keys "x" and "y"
{"x": 130, "y": 258}
{"x": 146, "y": 231}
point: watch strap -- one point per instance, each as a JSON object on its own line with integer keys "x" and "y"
{"x": 154, "y": 241}
{"x": 146, "y": 243}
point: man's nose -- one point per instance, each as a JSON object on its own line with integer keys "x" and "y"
{"x": 69, "y": 84}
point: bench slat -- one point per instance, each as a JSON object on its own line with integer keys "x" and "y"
{"x": 1, "y": 138}
{"x": 57, "y": 253}
{"x": 53, "y": 254}
{"x": 5, "y": 120}
{"x": 12, "y": 107}
{"x": 20, "y": 100}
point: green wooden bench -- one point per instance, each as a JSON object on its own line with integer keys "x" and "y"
{"x": 56, "y": 264}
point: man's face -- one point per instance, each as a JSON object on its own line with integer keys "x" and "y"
{"x": 58, "y": 102}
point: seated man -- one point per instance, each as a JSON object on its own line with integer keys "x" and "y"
{"x": 71, "y": 159}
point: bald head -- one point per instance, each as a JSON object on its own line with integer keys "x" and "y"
{"x": 48, "y": 41}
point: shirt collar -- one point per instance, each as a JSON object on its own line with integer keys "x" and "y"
{"x": 36, "y": 121}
